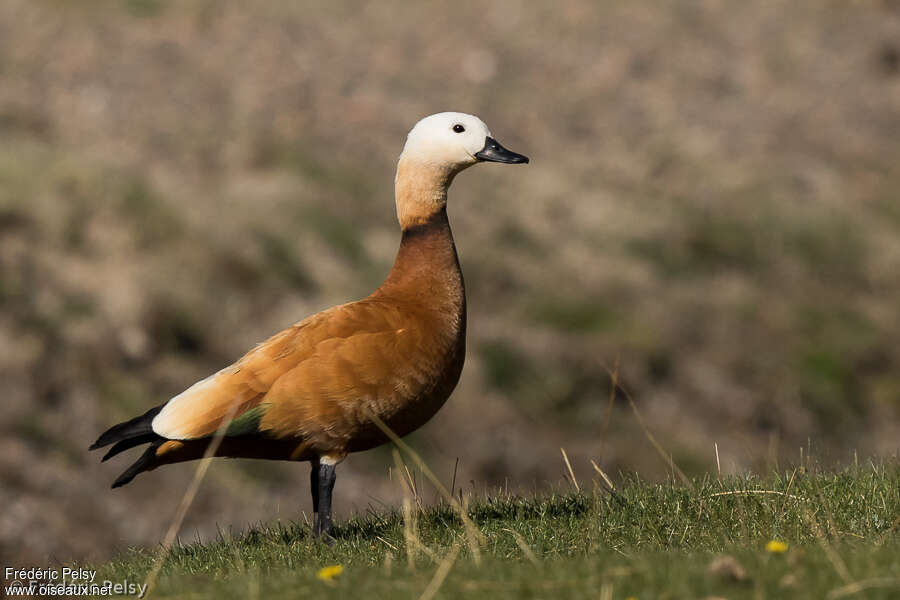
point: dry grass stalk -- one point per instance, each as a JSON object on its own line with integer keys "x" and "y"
{"x": 523, "y": 545}
{"x": 441, "y": 573}
{"x": 614, "y": 384}
{"x": 605, "y": 477}
{"x": 571, "y": 472}
{"x": 747, "y": 492}
{"x": 650, "y": 437}
{"x": 414, "y": 544}
{"x": 606, "y": 591}
{"x": 834, "y": 558}
{"x": 411, "y": 481}
{"x": 851, "y": 589}
{"x": 187, "y": 500}
{"x": 718, "y": 462}
{"x": 473, "y": 535}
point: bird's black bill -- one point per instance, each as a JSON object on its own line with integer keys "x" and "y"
{"x": 494, "y": 152}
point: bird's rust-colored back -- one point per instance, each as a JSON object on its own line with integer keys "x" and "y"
{"x": 307, "y": 391}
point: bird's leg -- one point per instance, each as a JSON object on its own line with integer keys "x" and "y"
{"x": 314, "y": 491}
{"x": 326, "y": 477}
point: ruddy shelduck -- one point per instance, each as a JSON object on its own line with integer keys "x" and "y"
{"x": 309, "y": 392}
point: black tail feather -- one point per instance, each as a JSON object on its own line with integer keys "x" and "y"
{"x": 140, "y": 465}
{"x": 129, "y": 443}
{"x": 129, "y": 434}
{"x": 136, "y": 427}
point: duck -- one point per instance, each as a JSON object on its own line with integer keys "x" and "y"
{"x": 309, "y": 392}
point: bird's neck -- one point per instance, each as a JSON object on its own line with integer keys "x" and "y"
{"x": 420, "y": 191}
{"x": 426, "y": 269}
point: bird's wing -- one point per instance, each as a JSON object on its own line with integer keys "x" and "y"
{"x": 240, "y": 389}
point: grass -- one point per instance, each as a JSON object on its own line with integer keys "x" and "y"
{"x": 181, "y": 180}
{"x": 645, "y": 540}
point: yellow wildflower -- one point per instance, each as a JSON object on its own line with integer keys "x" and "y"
{"x": 776, "y": 547}
{"x": 330, "y": 572}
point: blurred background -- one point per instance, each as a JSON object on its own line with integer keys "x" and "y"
{"x": 712, "y": 202}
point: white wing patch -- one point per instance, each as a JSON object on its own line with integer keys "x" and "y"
{"x": 170, "y": 421}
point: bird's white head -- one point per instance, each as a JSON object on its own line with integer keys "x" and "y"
{"x": 437, "y": 148}
{"x": 455, "y": 140}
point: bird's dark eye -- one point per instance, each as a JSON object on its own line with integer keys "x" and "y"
{"x": 458, "y": 128}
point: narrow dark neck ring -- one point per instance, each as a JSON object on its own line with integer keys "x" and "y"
{"x": 437, "y": 221}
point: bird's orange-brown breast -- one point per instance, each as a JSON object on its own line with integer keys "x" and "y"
{"x": 399, "y": 359}
{"x": 308, "y": 390}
